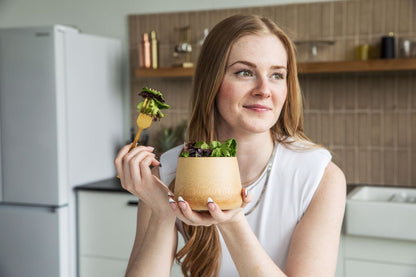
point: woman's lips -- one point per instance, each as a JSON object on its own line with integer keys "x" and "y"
{"x": 257, "y": 108}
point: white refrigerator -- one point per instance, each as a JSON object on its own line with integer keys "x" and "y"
{"x": 60, "y": 126}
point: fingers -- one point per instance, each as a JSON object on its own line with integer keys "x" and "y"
{"x": 118, "y": 161}
{"x": 133, "y": 165}
{"x": 214, "y": 215}
{"x": 246, "y": 196}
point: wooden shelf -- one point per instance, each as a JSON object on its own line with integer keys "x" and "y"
{"x": 165, "y": 72}
{"x": 304, "y": 68}
{"x": 357, "y": 66}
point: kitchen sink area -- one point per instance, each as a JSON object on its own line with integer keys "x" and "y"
{"x": 379, "y": 232}
{"x": 384, "y": 212}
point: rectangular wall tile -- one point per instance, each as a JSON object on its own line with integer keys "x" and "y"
{"x": 365, "y": 12}
{"x": 378, "y": 18}
{"x": 326, "y": 134}
{"x": 404, "y": 91}
{"x": 413, "y": 167}
{"x": 412, "y": 128}
{"x": 339, "y": 17}
{"x": 352, "y": 15}
{"x": 405, "y": 16}
{"x": 413, "y": 87}
{"x": 388, "y": 92}
{"x": 351, "y": 131}
{"x": 403, "y": 130}
{"x": 391, "y": 12}
{"x": 375, "y": 129}
{"x": 376, "y": 161}
{"x": 376, "y": 93}
{"x": 339, "y": 129}
{"x": 389, "y": 167}
{"x": 403, "y": 167}
{"x": 389, "y": 129}
{"x": 364, "y": 163}
{"x": 351, "y": 169}
{"x": 363, "y": 93}
{"x": 351, "y": 92}
{"x": 364, "y": 130}
{"x": 339, "y": 92}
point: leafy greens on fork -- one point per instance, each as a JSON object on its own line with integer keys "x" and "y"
{"x": 154, "y": 103}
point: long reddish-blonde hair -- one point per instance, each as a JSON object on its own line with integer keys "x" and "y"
{"x": 201, "y": 255}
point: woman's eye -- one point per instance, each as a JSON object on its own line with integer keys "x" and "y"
{"x": 244, "y": 73}
{"x": 277, "y": 76}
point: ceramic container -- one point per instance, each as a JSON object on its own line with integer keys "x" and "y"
{"x": 198, "y": 178}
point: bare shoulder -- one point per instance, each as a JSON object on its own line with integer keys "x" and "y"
{"x": 333, "y": 179}
{"x": 317, "y": 233}
{"x": 331, "y": 192}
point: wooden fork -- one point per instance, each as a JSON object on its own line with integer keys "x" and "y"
{"x": 143, "y": 122}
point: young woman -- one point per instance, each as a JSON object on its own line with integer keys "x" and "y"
{"x": 245, "y": 87}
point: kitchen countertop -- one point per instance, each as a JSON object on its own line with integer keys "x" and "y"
{"x": 110, "y": 185}
{"x": 114, "y": 185}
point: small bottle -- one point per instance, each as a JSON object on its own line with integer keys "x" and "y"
{"x": 387, "y": 47}
{"x": 146, "y": 52}
{"x": 155, "y": 52}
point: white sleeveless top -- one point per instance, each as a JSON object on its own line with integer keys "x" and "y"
{"x": 294, "y": 178}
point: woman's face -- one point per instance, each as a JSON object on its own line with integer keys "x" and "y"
{"x": 254, "y": 87}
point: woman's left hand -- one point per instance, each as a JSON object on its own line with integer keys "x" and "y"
{"x": 213, "y": 216}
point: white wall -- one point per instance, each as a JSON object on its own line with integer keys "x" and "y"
{"x": 108, "y": 18}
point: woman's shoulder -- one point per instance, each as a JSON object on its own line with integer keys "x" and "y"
{"x": 303, "y": 152}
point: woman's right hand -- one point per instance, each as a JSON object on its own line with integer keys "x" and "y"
{"x": 135, "y": 174}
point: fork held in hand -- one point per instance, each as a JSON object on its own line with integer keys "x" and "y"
{"x": 143, "y": 122}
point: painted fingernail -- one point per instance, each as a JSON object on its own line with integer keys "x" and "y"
{"x": 211, "y": 205}
{"x": 172, "y": 204}
{"x": 180, "y": 199}
{"x": 170, "y": 194}
{"x": 245, "y": 193}
{"x": 182, "y": 204}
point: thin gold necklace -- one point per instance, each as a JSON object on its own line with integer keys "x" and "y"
{"x": 269, "y": 168}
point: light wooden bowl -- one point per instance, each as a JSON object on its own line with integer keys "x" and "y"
{"x": 198, "y": 178}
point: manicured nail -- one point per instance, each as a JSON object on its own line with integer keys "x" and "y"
{"x": 211, "y": 205}
{"x": 170, "y": 194}
{"x": 245, "y": 193}
{"x": 182, "y": 203}
{"x": 172, "y": 204}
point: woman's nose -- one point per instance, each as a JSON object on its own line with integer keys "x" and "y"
{"x": 262, "y": 87}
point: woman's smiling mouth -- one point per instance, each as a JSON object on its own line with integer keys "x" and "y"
{"x": 257, "y": 108}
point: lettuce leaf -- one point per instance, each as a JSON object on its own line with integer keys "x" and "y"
{"x": 213, "y": 149}
{"x": 156, "y": 103}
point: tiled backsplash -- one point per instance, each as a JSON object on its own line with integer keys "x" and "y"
{"x": 367, "y": 120}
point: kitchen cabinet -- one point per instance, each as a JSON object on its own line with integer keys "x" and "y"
{"x": 106, "y": 229}
{"x": 369, "y": 256}
{"x": 303, "y": 68}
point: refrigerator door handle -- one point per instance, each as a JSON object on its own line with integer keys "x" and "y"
{"x": 132, "y": 202}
